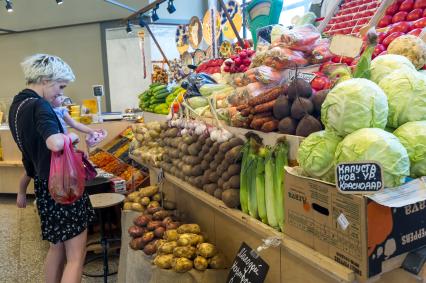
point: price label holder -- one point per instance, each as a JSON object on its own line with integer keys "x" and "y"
{"x": 248, "y": 266}
{"x": 308, "y": 77}
{"x": 345, "y": 45}
{"x": 359, "y": 177}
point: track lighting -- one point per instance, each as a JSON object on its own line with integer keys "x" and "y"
{"x": 154, "y": 16}
{"x": 59, "y": 2}
{"x": 128, "y": 27}
{"x": 9, "y": 6}
{"x": 170, "y": 7}
{"x": 141, "y": 21}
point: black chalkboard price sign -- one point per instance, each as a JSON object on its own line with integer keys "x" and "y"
{"x": 359, "y": 177}
{"x": 248, "y": 267}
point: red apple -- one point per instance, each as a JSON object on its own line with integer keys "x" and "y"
{"x": 407, "y": 5}
{"x": 420, "y": 23}
{"x": 392, "y": 9}
{"x": 416, "y": 32}
{"x": 421, "y": 4}
{"x": 399, "y": 17}
{"x": 385, "y": 21}
{"x": 391, "y": 38}
{"x": 414, "y": 15}
{"x": 378, "y": 49}
{"x": 381, "y": 36}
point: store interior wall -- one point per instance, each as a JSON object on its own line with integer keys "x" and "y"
{"x": 79, "y": 46}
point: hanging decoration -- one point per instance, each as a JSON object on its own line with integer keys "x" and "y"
{"x": 182, "y": 39}
{"x": 235, "y": 13}
{"x": 195, "y": 32}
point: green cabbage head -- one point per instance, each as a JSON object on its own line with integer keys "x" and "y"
{"x": 372, "y": 144}
{"x": 354, "y": 104}
{"x": 406, "y": 92}
{"x": 413, "y": 137}
{"x": 316, "y": 155}
{"x": 383, "y": 65}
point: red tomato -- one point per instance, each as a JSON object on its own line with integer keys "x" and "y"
{"x": 407, "y": 5}
{"x": 399, "y": 17}
{"x": 381, "y": 36}
{"x": 319, "y": 82}
{"x": 421, "y": 4}
{"x": 385, "y": 21}
{"x": 347, "y": 60}
{"x": 415, "y": 32}
{"x": 420, "y": 23}
{"x": 325, "y": 65}
{"x": 400, "y": 27}
{"x": 424, "y": 13}
{"x": 391, "y": 38}
{"x": 392, "y": 9}
{"x": 335, "y": 59}
{"x": 414, "y": 15}
{"x": 378, "y": 49}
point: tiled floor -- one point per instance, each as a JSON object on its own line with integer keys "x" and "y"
{"x": 22, "y": 251}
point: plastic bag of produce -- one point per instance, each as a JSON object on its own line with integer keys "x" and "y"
{"x": 380, "y": 146}
{"x": 67, "y": 175}
{"x": 300, "y": 38}
{"x": 406, "y": 92}
{"x": 282, "y": 58}
{"x": 413, "y": 137}
{"x": 265, "y": 75}
{"x": 316, "y": 155}
{"x": 321, "y": 52}
{"x": 354, "y": 104}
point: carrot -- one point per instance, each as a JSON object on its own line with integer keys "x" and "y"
{"x": 245, "y": 112}
{"x": 264, "y": 107}
{"x": 242, "y": 106}
{"x": 257, "y": 123}
{"x": 262, "y": 115}
{"x": 266, "y": 97}
{"x": 269, "y": 126}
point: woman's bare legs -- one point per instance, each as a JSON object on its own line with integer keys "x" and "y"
{"x": 75, "y": 250}
{"x": 54, "y": 264}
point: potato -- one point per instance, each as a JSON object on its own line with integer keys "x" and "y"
{"x": 151, "y": 210}
{"x": 189, "y": 228}
{"x": 198, "y": 182}
{"x": 147, "y": 237}
{"x": 137, "y": 243}
{"x": 209, "y": 142}
{"x": 187, "y": 252}
{"x": 167, "y": 248}
{"x": 182, "y": 265}
{"x": 187, "y": 170}
{"x": 142, "y": 220}
{"x": 157, "y": 197}
{"x": 200, "y": 263}
{"x": 152, "y": 225}
{"x": 167, "y": 220}
{"x": 172, "y": 225}
{"x": 171, "y": 235}
{"x": 231, "y": 198}
{"x": 234, "y": 169}
{"x": 133, "y": 196}
{"x": 214, "y": 165}
{"x": 219, "y": 158}
{"x": 221, "y": 169}
{"x": 234, "y": 155}
{"x": 182, "y": 242}
{"x": 234, "y": 182}
{"x": 194, "y": 239}
{"x": 153, "y": 204}
{"x": 208, "y": 157}
{"x": 160, "y": 215}
{"x": 159, "y": 232}
{"x": 206, "y": 250}
{"x": 205, "y": 164}
{"x": 136, "y": 231}
{"x": 220, "y": 183}
{"x": 159, "y": 242}
{"x": 137, "y": 207}
{"x": 196, "y": 170}
{"x": 218, "y": 262}
{"x": 145, "y": 201}
{"x": 164, "y": 261}
{"x": 213, "y": 177}
{"x": 150, "y": 249}
{"x": 194, "y": 149}
{"x": 148, "y": 191}
{"x": 210, "y": 188}
{"x": 127, "y": 206}
{"x": 218, "y": 193}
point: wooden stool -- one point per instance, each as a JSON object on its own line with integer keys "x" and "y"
{"x": 100, "y": 201}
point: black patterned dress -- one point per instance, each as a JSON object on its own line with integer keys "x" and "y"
{"x": 31, "y": 123}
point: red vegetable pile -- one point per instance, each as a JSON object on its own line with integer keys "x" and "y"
{"x": 239, "y": 63}
{"x": 210, "y": 67}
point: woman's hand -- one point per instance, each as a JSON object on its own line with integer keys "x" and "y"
{"x": 21, "y": 200}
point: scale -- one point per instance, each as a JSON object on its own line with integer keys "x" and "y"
{"x": 262, "y": 13}
{"x": 98, "y": 92}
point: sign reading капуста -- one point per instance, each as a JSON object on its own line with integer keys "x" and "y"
{"x": 359, "y": 177}
{"x": 247, "y": 267}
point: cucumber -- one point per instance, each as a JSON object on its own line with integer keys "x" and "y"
{"x": 158, "y": 88}
{"x": 163, "y": 94}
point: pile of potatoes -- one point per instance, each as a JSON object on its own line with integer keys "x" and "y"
{"x": 150, "y": 227}
{"x": 206, "y": 164}
{"x": 146, "y": 143}
{"x": 185, "y": 248}
{"x": 146, "y": 198}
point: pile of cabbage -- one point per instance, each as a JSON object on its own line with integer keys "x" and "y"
{"x": 382, "y": 120}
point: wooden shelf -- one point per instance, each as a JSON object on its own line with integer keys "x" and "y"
{"x": 11, "y": 164}
{"x": 309, "y": 256}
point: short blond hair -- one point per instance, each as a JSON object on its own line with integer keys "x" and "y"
{"x": 40, "y": 67}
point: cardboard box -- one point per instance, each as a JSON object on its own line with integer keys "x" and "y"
{"x": 354, "y": 230}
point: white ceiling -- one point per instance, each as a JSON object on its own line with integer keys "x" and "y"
{"x": 36, "y": 14}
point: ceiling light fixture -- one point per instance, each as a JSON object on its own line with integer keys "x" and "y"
{"x": 141, "y": 21}
{"x": 170, "y": 7}
{"x": 59, "y": 2}
{"x": 154, "y": 16}
{"x": 128, "y": 27}
{"x": 9, "y": 6}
